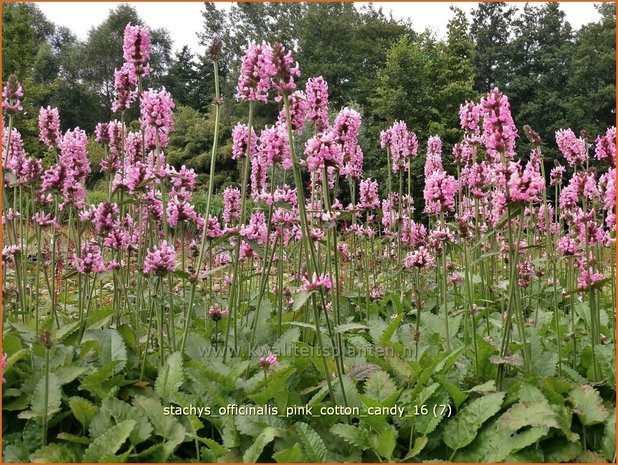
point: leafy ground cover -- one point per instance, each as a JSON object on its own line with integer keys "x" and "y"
{"x": 476, "y": 325}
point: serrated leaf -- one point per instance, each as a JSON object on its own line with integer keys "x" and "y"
{"x": 54, "y": 453}
{"x": 560, "y": 450}
{"x": 386, "y": 443}
{"x": 357, "y": 437}
{"x": 495, "y": 443}
{"x": 300, "y": 299}
{"x": 252, "y": 454}
{"x": 69, "y": 373}
{"x": 380, "y": 386}
{"x": 266, "y": 389}
{"x": 292, "y": 454}
{"x": 362, "y": 371}
{"x": 37, "y": 406}
{"x": 164, "y": 425}
{"x": 463, "y": 428}
{"x": 419, "y": 445}
{"x": 113, "y": 349}
{"x": 121, "y": 411}
{"x": 588, "y": 405}
{"x": 534, "y": 413}
{"x": 349, "y": 327}
{"x": 83, "y": 410}
{"x": 312, "y": 443}
{"x": 110, "y": 442}
{"x": 74, "y": 439}
{"x": 608, "y": 446}
{"x": 170, "y": 378}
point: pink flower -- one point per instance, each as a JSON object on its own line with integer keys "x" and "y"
{"x": 160, "y": 260}
{"x": 464, "y": 153}
{"x": 316, "y": 283}
{"x": 157, "y": 110}
{"x": 269, "y": 362}
{"x": 433, "y": 161}
{"x": 256, "y": 71}
{"x": 258, "y": 178}
{"x": 298, "y": 111}
{"x": 73, "y": 153}
{"x": 469, "y": 117}
{"x": 323, "y": 151}
{"x": 256, "y": 230}
{"x": 240, "y": 134}
{"x": 317, "y": 102}
{"x": 412, "y": 234}
{"x": 136, "y": 47}
{"x": 352, "y": 161}
{"x": 439, "y": 193}
{"x": 572, "y": 147}
{"x": 526, "y": 185}
{"x": 369, "y": 198}
{"x": 215, "y": 312}
{"x": 125, "y": 83}
{"x": 401, "y": 143}
{"x": 567, "y": 246}
{"x": 499, "y": 131}
{"x": 273, "y": 147}
{"x": 286, "y": 70}
{"x": 11, "y": 95}
{"x": 587, "y": 277}
{"x": 90, "y": 260}
{"x": 605, "y": 148}
{"x": 347, "y": 125}
{"x": 49, "y": 126}
{"x": 231, "y": 205}
{"x": 556, "y": 174}
{"x": 420, "y": 258}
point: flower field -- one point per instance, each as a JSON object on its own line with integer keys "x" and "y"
{"x": 320, "y": 317}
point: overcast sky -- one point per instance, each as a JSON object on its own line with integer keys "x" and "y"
{"x": 183, "y": 19}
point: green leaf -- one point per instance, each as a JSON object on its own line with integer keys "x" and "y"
{"x": 379, "y": 386}
{"x": 74, "y": 439}
{"x": 275, "y": 382}
{"x": 608, "y": 446}
{"x": 386, "y": 443}
{"x": 390, "y": 329}
{"x": 252, "y": 454}
{"x": 419, "y": 445}
{"x": 456, "y": 394}
{"x": 535, "y": 413}
{"x": 121, "y": 411}
{"x": 164, "y": 425}
{"x": 495, "y": 443}
{"x": 105, "y": 446}
{"x": 37, "y": 406}
{"x": 357, "y": 437}
{"x": 113, "y": 349}
{"x": 170, "y": 378}
{"x": 292, "y": 454}
{"x": 349, "y": 327}
{"x": 68, "y": 374}
{"x": 463, "y": 428}
{"x": 312, "y": 443}
{"x": 300, "y": 299}
{"x": 83, "y": 410}
{"x": 588, "y": 405}
{"x": 54, "y": 453}
{"x": 559, "y": 450}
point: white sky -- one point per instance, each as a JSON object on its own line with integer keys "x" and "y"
{"x": 183, "y": 19}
